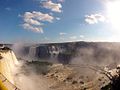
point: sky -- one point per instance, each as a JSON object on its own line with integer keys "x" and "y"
{"x": 41, "y": 21}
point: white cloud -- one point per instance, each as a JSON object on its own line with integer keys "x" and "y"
{"x": 19, "y": 15}
{"x": 82, "y": 36}
{"x": 34, "y": 21}
{"x": 61, "y": 1}
{"x": 57, "y": 18}
{"x": 94, "y": 18}
{"x": 32, "y": 28}
{"x": 111, "y": 0}
{"x": 62, "y": 33}
{"x": 73, "y": 37}
{"x": 38, "y": 16}
{"x": 55, "y": 7}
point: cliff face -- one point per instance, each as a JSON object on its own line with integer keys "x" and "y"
{"x": 8, "y": 63}
{"x": 65, "y": 53}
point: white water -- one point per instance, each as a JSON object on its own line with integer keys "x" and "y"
{"x": 8, "y": 65}
{"x": 10, "y": 68}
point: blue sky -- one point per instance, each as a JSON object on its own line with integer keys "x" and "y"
{"x": 56, "y": 21}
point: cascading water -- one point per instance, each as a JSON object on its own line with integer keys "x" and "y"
{"x": 12, "y": 77}
{"x": 8, "y": 68}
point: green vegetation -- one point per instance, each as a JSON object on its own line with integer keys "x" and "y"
{"x": 39, "y": 63}
{"x": 38, "y": 67}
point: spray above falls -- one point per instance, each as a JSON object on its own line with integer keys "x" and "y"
{"x": 60, "y": 66}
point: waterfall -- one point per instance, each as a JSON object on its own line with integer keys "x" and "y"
{"x": 32, "y": 52}
{"x": 8, "y": 67}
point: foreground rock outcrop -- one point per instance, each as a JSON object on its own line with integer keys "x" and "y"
{"x": 64, "y": 77}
